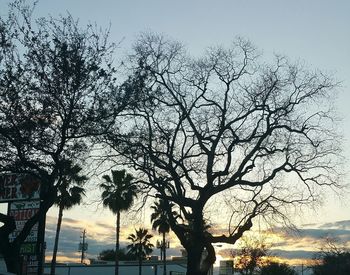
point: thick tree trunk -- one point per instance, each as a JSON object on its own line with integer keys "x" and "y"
{"x": 116, "y": 271}
{"x": 197, "y": 263}
{"x": 164, "y": 254}
{"x": 55, "y": 248}
{"x": 13, "y": 259}
{"x": 194, "y": 256}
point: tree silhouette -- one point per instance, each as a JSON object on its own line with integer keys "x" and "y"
{"x": 118, "y": 195}
{"x": 277, "y": 269}
{"x": 251, "y": 255}
{"x": 57, "y": 92}
{"x": 140, "y": 246}
{"x": 109, "y": 255}
{"x": 255, "y": 138}
{"x": 160, "y": 222}
{"x": 70, "y": 193}
{"x": 334, "y": 258}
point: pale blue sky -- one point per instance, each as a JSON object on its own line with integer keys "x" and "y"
{"x": 315, "y": 31}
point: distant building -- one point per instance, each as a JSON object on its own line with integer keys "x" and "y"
{"x": 226, "y": 267}
{"x": 153, "y": 258}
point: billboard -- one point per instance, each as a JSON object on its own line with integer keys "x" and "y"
{"x": 17, "y": 187}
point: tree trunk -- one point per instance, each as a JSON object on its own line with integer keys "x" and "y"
{"x": 13, "y": 259}
{"x": 140, "y": 265}
{"x": 196, "y": 264}
{"x": 140, "y": 258}
{"x": 116, "y": 271}
{"x": 164, "y": 254}
{"x": 55, "y": 248}
{"x": 194, "y": 256}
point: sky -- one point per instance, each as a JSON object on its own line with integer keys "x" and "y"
{"x": 316, "y": 32}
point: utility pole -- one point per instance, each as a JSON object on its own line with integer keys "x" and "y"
{"x": 83, "y": 246}
{"x": 163, "y": 245}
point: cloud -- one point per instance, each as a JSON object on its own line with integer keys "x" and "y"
{"x": 279, "y": 253}
{"x": 298, "y": 247}
{"x": 312, "y": 237}
{"x": 99, "y": 237}
{"x": 293, "y": 254}
{"x": 345, "y": 224}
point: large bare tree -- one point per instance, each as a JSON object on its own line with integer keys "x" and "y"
{"x": 227, "y": 128}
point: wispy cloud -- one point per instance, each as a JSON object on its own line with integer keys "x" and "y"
{"x": 339, "y": 225}
{"x": 308, "y": 237}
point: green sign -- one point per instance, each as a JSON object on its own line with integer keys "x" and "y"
{"x": 28, "y": 249}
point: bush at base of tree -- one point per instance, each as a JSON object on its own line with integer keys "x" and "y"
{"x": 335, "y": 264}
{"x": 109, "y": 255}
{"x": 277, "y": 269}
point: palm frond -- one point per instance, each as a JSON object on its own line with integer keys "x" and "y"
{"x": 119, "y": 191}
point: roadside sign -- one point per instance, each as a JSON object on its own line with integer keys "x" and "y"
{"x": 22, "y": 211}
{"x": 16, "y": 187}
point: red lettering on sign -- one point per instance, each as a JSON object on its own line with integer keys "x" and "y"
{"x": 23, "y": 214}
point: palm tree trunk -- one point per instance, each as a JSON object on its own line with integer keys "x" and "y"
{"x": 55, "y": 248}
{"x": 116, "y": 271}
{"x": 140, "y": 258}
{"x": 164, "y": 254}
{"x": 161, "y": 252}
{"x": 140, "y": 266}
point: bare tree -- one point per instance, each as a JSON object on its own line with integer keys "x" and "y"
{"x": 227, "y": 128}
{"x": 57, "y": 89}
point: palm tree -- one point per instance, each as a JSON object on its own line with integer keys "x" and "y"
{"x": 141, "y": 245}
{"x": 118, "y": 195}
{"x": 160, "y": 222}
{"x": 70, "y": 193}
